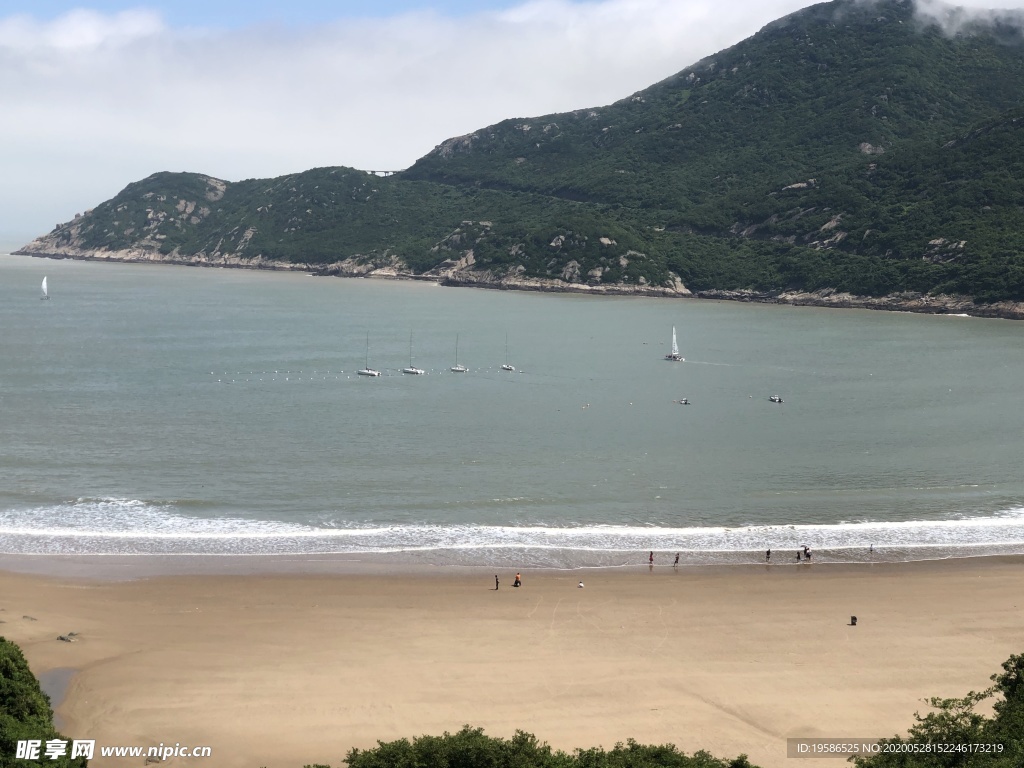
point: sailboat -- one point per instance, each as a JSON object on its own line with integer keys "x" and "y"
{"x": 457, "y": 368}
{"x": 367, "y": 370}
{"x": 506, "y": 366}
{"x": 674, "y": 354}
{"x": 412, "y": 368}
{"x": 46, "y": 293}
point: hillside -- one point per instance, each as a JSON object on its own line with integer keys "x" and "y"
{"x": 848, "y": 147}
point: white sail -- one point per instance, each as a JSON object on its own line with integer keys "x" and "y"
{"x": 674, "y": 354}
{"x": 46, "y": 293}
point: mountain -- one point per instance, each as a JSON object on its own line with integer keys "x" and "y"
{"x": 851, "y": 147}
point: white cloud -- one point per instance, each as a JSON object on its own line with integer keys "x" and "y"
{"x": 953, "y": 19}
{"x": 77, "y": 30}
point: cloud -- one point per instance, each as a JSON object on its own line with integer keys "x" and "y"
{"x": 954, "y": 20}
{"x": 78, "y": 30}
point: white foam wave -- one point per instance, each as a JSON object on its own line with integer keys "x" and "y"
{"x": 129, "y": 526}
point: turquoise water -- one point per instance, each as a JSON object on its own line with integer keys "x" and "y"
{"x": 156, "y": 409}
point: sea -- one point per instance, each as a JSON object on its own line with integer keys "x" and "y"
{"x": 167, "y": 410}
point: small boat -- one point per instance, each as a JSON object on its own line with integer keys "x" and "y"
{"x": 674, "y": 355}
{"x": 412, "y": 369}
{"x": 367, "y": 370}
{"x": 46, "y": 292}
{"x": 776, "y": 399}
{"x": 506, "y": 366}
{"x": 457, "y": 368}
{"x": 682, "y": 401}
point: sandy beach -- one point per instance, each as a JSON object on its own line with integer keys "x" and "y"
{"x": 285, "y": 669}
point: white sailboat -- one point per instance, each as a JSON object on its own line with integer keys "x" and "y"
{"x": 457, "y": 368}
{"x": 46, "y": 292}
{"x": 412, "y": 369}
{"x": 674, "y": 354}
{"x": 367, "y": 370}
{"x": 506, "y": 366}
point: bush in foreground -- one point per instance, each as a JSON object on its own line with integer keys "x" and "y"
{"x": 956, "y": 736}
{"x": 25, "y": 712}
{"x": 470, "y": 748}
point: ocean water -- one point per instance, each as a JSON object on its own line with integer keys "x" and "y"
{"x": 174, "y": 410}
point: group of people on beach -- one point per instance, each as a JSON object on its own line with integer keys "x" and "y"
{"x": 651, "y": 559}
{"x": 801, "y": 554}
{"x": 517, "y": 583}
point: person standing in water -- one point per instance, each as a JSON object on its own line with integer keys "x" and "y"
{"x": 677, "y": 560}
{"x": 768, "y": 556}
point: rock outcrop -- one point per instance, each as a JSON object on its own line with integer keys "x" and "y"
{"x": 897, "y": 302}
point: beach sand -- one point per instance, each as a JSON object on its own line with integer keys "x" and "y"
{"x": 285, "y": 669}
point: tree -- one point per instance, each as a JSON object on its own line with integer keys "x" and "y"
{"x": 25, "y": 712}
{"x": 956, "y": 736}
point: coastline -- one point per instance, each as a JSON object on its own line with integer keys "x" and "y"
{"x": 285, "y": 669}
{"x": 465, "y": 276}
{"x": 130, "y": 565}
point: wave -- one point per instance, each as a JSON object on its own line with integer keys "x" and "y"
{"x": 111, "y": 526}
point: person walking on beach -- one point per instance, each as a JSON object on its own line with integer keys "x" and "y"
{"x": 651, "y": 558}
{"x": 677, "y": 560}
{"x": 495, "y": 582}
{"x": 768, "y": 556}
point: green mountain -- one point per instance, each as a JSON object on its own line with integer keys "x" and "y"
{"x": 850, "y": 146}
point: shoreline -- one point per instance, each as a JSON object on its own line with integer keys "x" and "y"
{"x": 827, "y": 298}
{"x": 120, "y": 568}
{"x": 135, "y": 565}
{"x": 287, "y": 669}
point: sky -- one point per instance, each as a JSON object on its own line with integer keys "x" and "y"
{"x": 96, "y": 95}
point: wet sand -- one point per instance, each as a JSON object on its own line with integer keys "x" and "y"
{"x": 284, "y": 669}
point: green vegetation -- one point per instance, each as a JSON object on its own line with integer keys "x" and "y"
{"x": 25, "y": 712}
{"x": 849, "y": 145}
{"x": 470, "y": 748}
{"x": 954, "y": 723}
